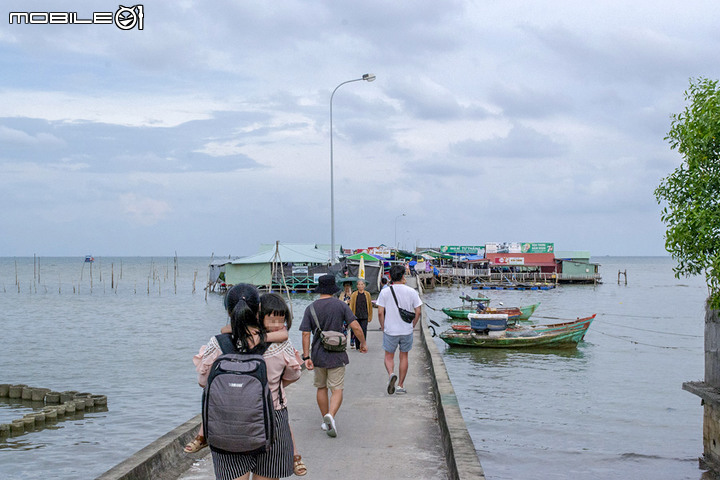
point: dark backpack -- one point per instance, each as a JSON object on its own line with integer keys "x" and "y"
{"x": 237, "y": 407}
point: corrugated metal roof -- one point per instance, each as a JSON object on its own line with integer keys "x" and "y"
{"x": 572, "y": 255}
{"x": 288, "y": 252}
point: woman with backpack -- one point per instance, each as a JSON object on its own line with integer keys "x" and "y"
{"x": 249, "y": 337}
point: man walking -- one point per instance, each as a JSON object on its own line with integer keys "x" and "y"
{"x": 331, "y": 314}
{"x": 396, "y": 331}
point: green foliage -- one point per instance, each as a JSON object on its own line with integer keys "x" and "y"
{"x": 692, "y": 191}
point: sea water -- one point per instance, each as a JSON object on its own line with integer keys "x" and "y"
{"x": 611, "y": 408}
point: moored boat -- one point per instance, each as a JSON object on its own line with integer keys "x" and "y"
{"x": 565, "y": 334}
{"x": 513, "y": 313}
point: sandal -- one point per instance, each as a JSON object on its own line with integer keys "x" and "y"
{"x": 299, "y": 467}
{"x": 196, "y": 445}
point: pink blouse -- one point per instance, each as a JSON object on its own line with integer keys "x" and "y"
{"x": 282, "y": 360}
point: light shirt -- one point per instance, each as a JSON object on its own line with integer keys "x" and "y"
{"x": 407, "y": 298}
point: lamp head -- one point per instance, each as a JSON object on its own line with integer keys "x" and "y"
{"x": 368, "y": 77}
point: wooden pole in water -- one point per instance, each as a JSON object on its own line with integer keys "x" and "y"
{"x": 207, "y": 284}
{"x": 175, "y": 272}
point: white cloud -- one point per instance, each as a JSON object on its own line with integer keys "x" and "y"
{"x": 121, "y": 107}
{"x": 19, "y": 137}
{"x": 142, "y": 210}
{"x": 478, "y": 110}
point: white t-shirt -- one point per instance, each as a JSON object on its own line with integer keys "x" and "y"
{"x": 407, "y": 298}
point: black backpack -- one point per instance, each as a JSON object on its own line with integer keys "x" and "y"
{"x": 237, "y": 407}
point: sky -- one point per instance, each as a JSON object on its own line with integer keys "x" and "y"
{"x": 208, "y": 131}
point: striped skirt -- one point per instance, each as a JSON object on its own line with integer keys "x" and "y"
{"x": 275, "y": 463}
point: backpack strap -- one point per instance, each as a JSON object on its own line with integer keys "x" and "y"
{"x": 281, "y": 389}
{"x": 226, "y": 343}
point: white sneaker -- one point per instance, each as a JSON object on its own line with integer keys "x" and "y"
{"x": 323, "y": 427}
{"x": 329, "y": 422}
{"x": 391, "y": 383}
{"x": 400, "y": 391}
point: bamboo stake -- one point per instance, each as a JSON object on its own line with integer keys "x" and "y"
{"x": 207, "y": 285}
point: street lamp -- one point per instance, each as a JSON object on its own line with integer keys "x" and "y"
{"x": 396, "y": 219}
{"x": 368, "y": 77}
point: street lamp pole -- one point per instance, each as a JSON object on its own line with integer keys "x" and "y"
{"x": 396, "y": 219}
{"x": 368, "y": 77}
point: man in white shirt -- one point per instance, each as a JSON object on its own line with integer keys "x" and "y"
{"x": 396, "y": 331}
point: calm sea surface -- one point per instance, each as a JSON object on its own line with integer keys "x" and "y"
{"x": 612, "y": 408}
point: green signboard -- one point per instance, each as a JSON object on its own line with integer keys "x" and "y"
{"x": 538, "y": 247}
{"x": 463, "y": 249}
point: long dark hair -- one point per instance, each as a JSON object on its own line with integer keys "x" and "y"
{"x": 274, "y": 303}
{"x": 242, "y": 303}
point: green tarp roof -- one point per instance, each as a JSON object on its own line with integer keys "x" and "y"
{"x": 366, "y": 256}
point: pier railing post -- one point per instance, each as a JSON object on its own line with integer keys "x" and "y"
{"x": 709, "y": 392}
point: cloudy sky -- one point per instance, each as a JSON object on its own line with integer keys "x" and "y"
{"x": 209, "y": 129}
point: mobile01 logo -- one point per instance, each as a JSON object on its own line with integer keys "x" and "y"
{"x": 125, "y": 18}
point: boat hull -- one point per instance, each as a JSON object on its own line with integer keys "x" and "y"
{"x": 513, "y": 313}
{"x": 567, "y": 334}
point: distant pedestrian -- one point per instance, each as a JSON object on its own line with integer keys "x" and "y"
{"x": 361, "y": 306}
{"x": 329, "y": 366}
{"x": 397, "y": 332}
{"x": 346, "y": 292}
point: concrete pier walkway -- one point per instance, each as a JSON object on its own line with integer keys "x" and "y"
{"x": 420, "y": 435}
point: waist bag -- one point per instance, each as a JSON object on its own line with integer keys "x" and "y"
{"x": 237, "y": 407}
{"x": 406, "y": 315}
{"x": 330, "y": 340}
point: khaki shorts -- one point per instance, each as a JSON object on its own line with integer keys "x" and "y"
{"x": 332, "y": 378}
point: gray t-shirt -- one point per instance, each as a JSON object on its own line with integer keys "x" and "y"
{"x": 333, "y": 314}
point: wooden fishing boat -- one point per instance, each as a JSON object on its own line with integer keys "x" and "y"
{"x": 514, "y": 313}
{"x": 565, "y": 334}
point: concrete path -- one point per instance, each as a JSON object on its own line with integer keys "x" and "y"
{"x": 379, "y": 435}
